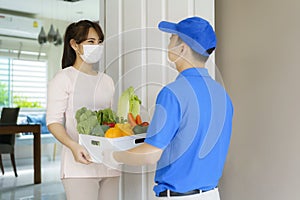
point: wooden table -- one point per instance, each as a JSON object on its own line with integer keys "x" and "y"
{"x": 36, "y": 130}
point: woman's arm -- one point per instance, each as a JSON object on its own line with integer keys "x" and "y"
{"x": 79, "y": 152}
{"x": 58, "y": 94}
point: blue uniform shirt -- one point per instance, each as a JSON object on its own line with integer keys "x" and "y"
{"x": 192, "y": 124}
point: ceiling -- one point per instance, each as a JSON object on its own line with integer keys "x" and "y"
{"x": 53, "y": 9}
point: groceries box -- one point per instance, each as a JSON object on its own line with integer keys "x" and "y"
{"x": 95, "y": 144}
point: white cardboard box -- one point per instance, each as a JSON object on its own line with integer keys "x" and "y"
{"x": 95, "y": 144}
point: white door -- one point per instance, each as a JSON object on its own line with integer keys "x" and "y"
{"x": 136, "y": 56}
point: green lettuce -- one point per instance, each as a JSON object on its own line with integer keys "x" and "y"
{"x": 106, "y": 116}
{"x": 91, "y": 122}
{"x": 129, "y": 102}
{"x": 86, "y": 121}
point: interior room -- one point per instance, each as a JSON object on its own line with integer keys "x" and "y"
{"x": 255, "y": 60}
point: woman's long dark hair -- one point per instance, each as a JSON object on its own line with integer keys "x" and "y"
{"x": 79, "y": 32}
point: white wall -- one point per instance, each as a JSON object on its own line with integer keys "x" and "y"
{"x": 136, "y": 55}
{"x": 258, "y": 54}
{"x": 55, "y": 52}
{"x": 136, "y": 50}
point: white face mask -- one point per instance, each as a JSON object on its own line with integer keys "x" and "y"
{"x": 173, "y": 63}
{"x": 92, "y": 53}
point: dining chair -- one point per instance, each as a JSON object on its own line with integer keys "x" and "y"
{"x": 9, "y": 116}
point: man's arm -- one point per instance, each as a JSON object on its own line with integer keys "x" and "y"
{"x": 144, "y": 154}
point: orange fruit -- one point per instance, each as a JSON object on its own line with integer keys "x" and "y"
{"x": 125, "y": 128}
{"x": 113, "y": 133}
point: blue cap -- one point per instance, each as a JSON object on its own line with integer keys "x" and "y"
{"x": 196, "y": 32}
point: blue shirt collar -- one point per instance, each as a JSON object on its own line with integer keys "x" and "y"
{"x": 195, "y": 71}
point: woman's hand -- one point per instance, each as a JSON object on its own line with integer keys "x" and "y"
{"x": 80, "y": 154}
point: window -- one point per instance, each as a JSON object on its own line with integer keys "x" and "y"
{"x": 23, "y": 81}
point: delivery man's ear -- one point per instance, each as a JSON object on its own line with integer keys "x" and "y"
{"x": 184, "y": 48}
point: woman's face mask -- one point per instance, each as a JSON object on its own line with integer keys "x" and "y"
{"x": 92, "y": 53}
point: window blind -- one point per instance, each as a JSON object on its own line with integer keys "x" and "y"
{"x": 23, "y": 76}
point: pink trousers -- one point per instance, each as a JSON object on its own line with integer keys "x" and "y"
{"x": 92, "y": 188}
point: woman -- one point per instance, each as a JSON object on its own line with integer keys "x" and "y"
{"x": 79, "y": 85}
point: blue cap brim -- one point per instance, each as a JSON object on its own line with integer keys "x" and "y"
{"x": 168, "y": 27}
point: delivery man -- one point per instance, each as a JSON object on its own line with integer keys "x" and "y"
{"x": 190, "y": 131}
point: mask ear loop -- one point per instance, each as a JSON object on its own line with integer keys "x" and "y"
{"x": 74, "y": 46}
{"x": 180, "y": 54}
{"x": 77, "y": 49}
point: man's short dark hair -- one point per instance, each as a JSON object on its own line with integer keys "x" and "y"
{"x": 196, "y": 55}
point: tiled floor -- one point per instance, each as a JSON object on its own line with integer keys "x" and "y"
{"x": 22, "y": 187}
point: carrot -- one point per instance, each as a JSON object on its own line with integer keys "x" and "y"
{"x": 145, "y": 124}
{"x": 138, "y": 119}
{"x": 131, "y": 120}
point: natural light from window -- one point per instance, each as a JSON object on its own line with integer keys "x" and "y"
{"x": 23, "y": 83}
